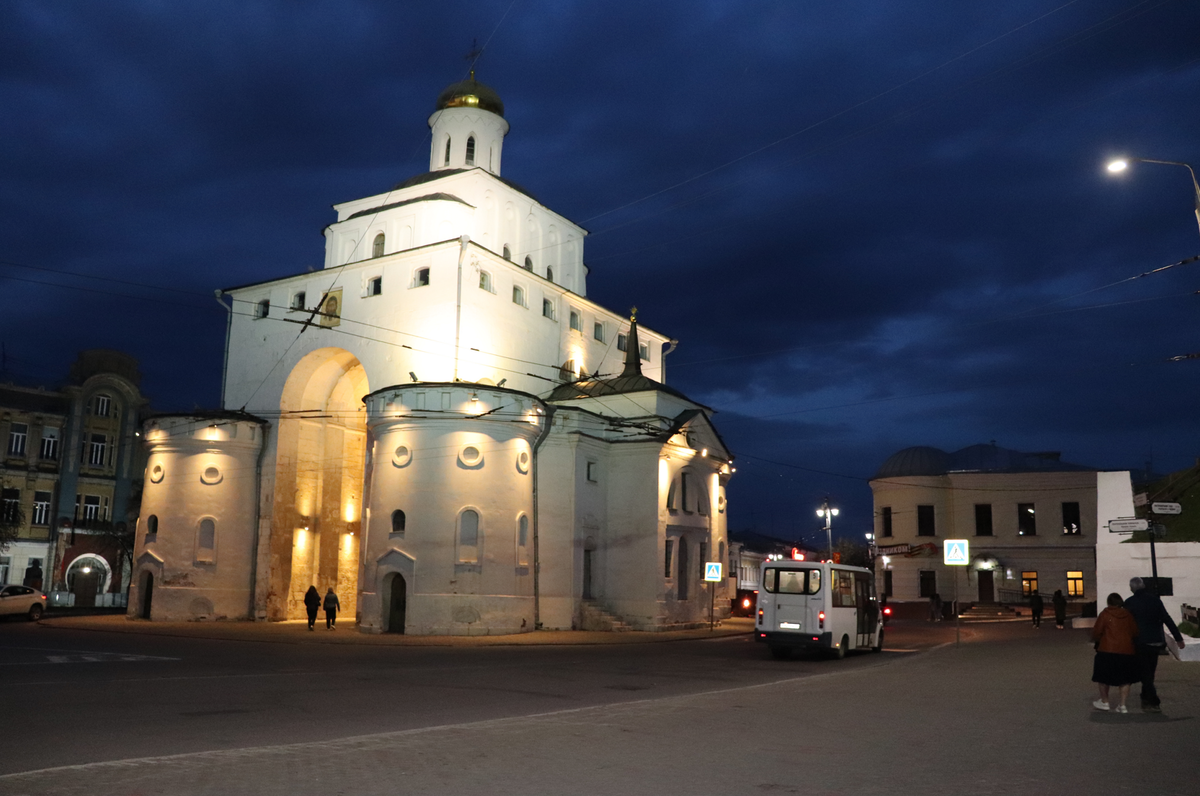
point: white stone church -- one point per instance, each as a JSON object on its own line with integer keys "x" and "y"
{"x": 440, "y": 426}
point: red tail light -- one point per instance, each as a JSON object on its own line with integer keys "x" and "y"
{"x": 821, "y": 620}
{"x": 887, "y": 611}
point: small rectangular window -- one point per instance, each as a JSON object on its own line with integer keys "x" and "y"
{"x": 41, "y": 508}
{"x": 375, "y": 286}
{"x": 49, "y": 449}
{"x": 102, "y": 406}
{"x": 91, "y": 508}
{"x": 298, "y": 300}
{"x": 547, "y": 309}
{"x": 263, "y": 309}
{"x": 983, "y": 519}
{"x": 928, "y": 583}
{"x": 925, "y": 521}
{"x": 592, "y": 471}
{"x": 1029, "y": 584}
{"x": 97, "y": 450}
{"x": 598, "y": 332}
{"x": 885, "y": 525}
{"x": 18, "y": 435}
{"x": 1026, "y": 520}
{"x": 644, "y": 351}
{"x": 576, "y": 323}
{"x": 10, "y": 511}
{"x": 421, "y": 277}
{"x": 485, "y": 281}
{"x": 887, "y": 583}
{"x": 1070, "y": 519}
{"x": 622, "y": 342}
{"x": 518, "y": 295}
{"x": 667, "y": 558}
{"x": 1074, "y": 583}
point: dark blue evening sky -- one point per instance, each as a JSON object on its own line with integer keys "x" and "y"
{"x": 870, "y": 224}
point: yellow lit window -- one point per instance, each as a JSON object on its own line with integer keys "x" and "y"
{"x": 1074, "y": 583}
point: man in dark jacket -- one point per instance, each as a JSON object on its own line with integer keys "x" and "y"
{"x": 1151, "y": 615}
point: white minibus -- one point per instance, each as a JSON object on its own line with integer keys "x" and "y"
{"x": 809, "y": 605}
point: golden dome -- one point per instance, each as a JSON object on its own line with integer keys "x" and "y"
{"x": 470, "y": 93}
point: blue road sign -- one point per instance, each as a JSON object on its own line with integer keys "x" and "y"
{"x": 955, "y": 553}
{"x": 712, "y": 571}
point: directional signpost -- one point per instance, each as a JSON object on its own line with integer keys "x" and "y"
{"x": 1166, "y": 508}
{"x": 956, "y": 553}
{"x": 712, "y": 574}
{"x": 1127, "y": 525}
{"x": 1155, "y": 509}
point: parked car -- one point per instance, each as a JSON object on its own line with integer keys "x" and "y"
{"x": 22, "y": 600}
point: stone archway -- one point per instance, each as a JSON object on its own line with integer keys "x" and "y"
{"x": 317, "y": 514}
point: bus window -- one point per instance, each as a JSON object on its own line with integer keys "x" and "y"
{"x": 768, "y": 581}
{"x": 791, "y": 581}
{"x": 796, "y": 581}
{"x": 843, "y": 589}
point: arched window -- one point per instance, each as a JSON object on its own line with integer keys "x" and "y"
{"x": 507, "y": 253}
{"x": 206, "y": 541}
{"x": 471, "y": 150}
{"x": 518, "y": 295}
{"x": 681, "y": 582}
{"x": 446, "y": 161}
{"x": 523, "y": 541}
{"x": 421, "y": 277}
{"x": 151, "y": 528}
{"x": 550, "y": 273}
{"x": 398, "y": 522}
{"x": 377, "y": 248}
{"x": 685, "y": 488}
{"x": 468, "y": 537}
{"x": 528, "y": 263}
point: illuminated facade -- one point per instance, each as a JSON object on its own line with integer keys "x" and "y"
{"x": 70, "y": 476}
{"x": 1029, "y": 518}
{"x": 455, "y": 438}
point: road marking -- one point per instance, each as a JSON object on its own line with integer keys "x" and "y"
{"x": 82, "y": 656}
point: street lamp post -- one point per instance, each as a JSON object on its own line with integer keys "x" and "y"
{"x": 828, "y": 513}
{"x": 1121, "y": 164}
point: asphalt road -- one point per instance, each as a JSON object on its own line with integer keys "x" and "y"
{"x": 83, "y": 697}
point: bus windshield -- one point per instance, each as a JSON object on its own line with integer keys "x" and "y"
{"x": 792, "y": 581}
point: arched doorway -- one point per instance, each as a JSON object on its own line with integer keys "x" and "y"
{"x": 145, "y": 594}
{"x": 319, "y": 481}
{"x": 88, "y": 576}
{"x": 395, "y": 602}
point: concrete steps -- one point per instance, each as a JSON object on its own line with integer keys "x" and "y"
{"x": 989, "y": 612}
{"x": 594, "y": 616}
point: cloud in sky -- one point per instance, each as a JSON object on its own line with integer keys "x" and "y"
{"x": 870, "y": 225}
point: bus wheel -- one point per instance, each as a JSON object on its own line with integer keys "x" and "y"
{"x": 840, "y": 651}
{"x": 781, "y": 653}
{"x": 878, "y": 642}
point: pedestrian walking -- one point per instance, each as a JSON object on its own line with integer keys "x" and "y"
{"x": 1060, "y": 608}
{"x": 312, "y": 601}
{"x": 1036, "y": 606}
{"x": 935, "y": 607}
{"x": 1150, "y": 614}
{"x": 331, "y": 608}
{"x": 1115, "y": 664}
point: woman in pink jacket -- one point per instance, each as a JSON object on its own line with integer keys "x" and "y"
{"x": 1115, "y": 663}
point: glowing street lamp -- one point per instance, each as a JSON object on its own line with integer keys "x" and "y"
{"x": 828, "y": 513}
{"x": 1120, "y": 165}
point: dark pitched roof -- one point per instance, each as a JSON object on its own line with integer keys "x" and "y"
{"x": 630, "y": 380}
{"x": 983, "y": 458}
{"x": 431, "y": 197}
{"x": 430, "y": 176}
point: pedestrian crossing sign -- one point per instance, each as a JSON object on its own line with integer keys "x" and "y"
{"x": 955, "y": 553}
{"x": 712, "y": 571}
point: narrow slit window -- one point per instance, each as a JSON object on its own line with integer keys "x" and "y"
{"x": 471, "y": 150}
{"x": 446, "y": 159}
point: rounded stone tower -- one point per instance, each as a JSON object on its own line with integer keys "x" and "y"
{"x": 196, "y": 545}
{"x": 448, "y": 545}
